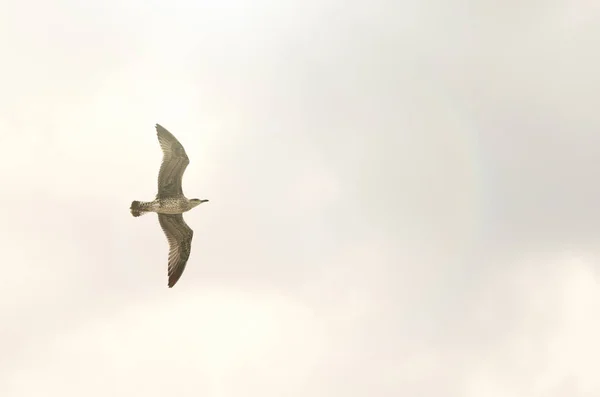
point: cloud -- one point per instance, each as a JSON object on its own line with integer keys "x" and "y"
{"x": 214, "y": 338}
{"x": 402, "y": 199}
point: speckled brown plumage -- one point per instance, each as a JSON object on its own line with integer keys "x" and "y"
{"x": 170, "y": 203}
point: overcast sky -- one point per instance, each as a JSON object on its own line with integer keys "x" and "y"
{"x": 404, "y": 198}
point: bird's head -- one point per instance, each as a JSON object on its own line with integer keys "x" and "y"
{"x": 194, "y": 202}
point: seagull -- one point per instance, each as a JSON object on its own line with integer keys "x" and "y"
{"x": 170, "y": 203}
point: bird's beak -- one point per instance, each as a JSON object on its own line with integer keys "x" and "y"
{"x": 203, "y": 201}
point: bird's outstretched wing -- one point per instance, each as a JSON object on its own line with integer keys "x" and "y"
{"x": 179, "y": 236}
{"x": 174, "y": 163}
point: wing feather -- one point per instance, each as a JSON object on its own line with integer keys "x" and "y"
{"x": 179, "y": 235}
{"x": 173, "y": 165}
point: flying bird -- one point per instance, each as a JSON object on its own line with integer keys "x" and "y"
{"x": 170, "y": 203}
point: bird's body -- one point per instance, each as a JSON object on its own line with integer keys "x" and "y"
{"x": 170, "y": 203}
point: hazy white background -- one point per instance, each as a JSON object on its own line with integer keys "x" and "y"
{"x": 404, "y": 198}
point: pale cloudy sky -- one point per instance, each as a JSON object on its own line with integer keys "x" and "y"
{"x": 403, "y": 198}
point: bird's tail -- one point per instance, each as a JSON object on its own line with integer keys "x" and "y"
{"x": 136, "y": 208}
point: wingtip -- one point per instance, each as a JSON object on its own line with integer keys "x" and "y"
{"x": 162, "y": 130}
